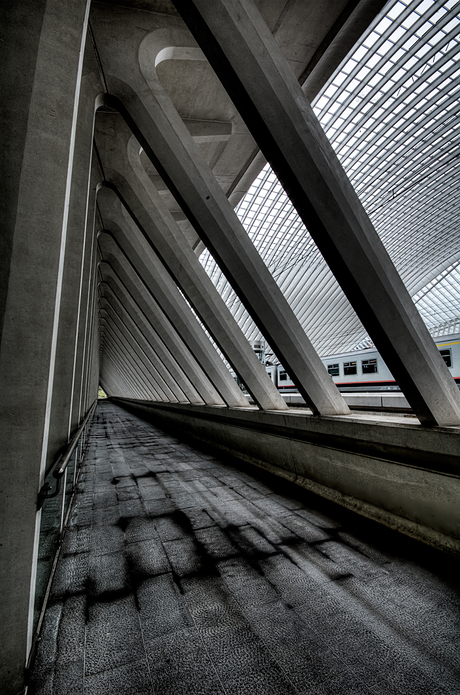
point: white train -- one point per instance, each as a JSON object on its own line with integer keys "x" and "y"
{"x": 365, "y": 370}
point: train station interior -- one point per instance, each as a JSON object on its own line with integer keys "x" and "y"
{"x": 230, "y": 347}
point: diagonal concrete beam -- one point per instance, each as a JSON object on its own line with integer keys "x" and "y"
{"x": 125, "y": 277}
{"x": 151, "y": 335}
{"x": 130, "y": 356}
{"x": 136, "y": 92}
{"x": 117, "y": 372}
{"x": 146, "y": 359}
{"x": 119, "y": 154}
{"x": 165, "y": 291}
{"x": 110, "y": 376}
{"x": 149, "y": 357}
{"x": 244, "y": 54}
{"x": 150, "y": 344}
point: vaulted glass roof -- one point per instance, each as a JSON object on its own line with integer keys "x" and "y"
{"x": 391, "y": 113}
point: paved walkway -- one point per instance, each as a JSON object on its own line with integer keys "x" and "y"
{"x": 183, "y": 575}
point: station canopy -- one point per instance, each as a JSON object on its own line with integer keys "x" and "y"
{"x": 391, "y": 112}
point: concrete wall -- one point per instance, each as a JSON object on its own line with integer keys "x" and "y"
{"x": 402, "y": 475}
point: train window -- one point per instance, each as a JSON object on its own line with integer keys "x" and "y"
{"x": 369, "y": 366}
{"x": 349, "y": 368}
{"x": 283, "y": 376}
{"x": 333, "y": 369}
{"x": 447, "y": 357}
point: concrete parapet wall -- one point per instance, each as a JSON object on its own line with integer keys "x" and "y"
{"x": 402, "y": 475}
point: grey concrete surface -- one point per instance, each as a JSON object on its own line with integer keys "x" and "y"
{"x": 136, "y": 92}
{"x": 183, "y": 573}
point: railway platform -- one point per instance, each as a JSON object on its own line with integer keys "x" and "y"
{"x": 183, "y": 572}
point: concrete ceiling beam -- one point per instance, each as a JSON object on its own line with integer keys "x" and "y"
{"x": 156, "y": 352}
{"x": 125, "y": 277}
{"x": 129, "y": 243}
{"x": 146, "y": 358}
{"x": 119, "y": 153}
{"x": 151, "y": 335}
{"x": 136, "y": 92}
{"x": 127, "y": 354}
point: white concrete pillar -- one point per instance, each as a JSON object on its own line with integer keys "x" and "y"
{"x": 79, "y": 236}
{"x": 42, "y": 60}
{"x": 126, "y": 280}
{"x": 165, "y": 291}
{"x": 147, "y": 347}
{"x": 146, "y": 369}
{"x": 246, "y": 57}
{"x": 119, "y": 153}
{"x": 138, "y": 95}
{"x": 86, "y": 293}
{"x": 111, "y": 287}
{"x": 123, "y": 356}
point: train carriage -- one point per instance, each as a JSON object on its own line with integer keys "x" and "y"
{"x": 365, "y": 370}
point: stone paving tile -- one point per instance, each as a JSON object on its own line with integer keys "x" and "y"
{"x": 69, "y": 677}
{"x": 147, "y": 558}
{"x": 183, "y": 575}
{"x": 215, "y": 543}
{"x": 108, "y": 573}
{"x": 179, "y": 663}
{"x": 71, "y": 575}
{"x": 161, "y": 607}
{"x": 129, "y": 679}
{"x": 183, "y": 556}
{"x": 113, "y": 635}
{"x": 72, "y": 630}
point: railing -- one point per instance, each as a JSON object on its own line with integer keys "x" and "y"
{"x": 55, "y": 503}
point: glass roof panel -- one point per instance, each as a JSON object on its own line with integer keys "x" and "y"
{"x": 391, "y": 114}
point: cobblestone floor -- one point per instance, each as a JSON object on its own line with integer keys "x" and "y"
{"x": 182, "y": 574}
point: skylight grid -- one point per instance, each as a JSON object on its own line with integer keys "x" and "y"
{"x": 391, "y": 113}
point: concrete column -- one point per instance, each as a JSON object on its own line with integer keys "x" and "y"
{"x": 90, "y": 327}
{"x": 165, "y": 291}
{"x": 110, "y": 371}
{"x": 245, "y": 55}
{"x": 93, "y": 364}
{"x": 113, "y": 374}
{"x": 86, "y": 290}
{"x": 125, "y": 277}
{"x": 119, "y": 153}
{"x": 145, "y": 367}
{"x": 122, "y": 353}
{"x": 111, "y": 386}
{"x": 42, "y": 56}
{"x": 151, "y": 335}
{"x": 138, "y": 95}
{"x": 147, "y": 347}
{"x": 78, "y": 238}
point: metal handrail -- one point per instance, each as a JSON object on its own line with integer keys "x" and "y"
{"x": 64, "y": 459}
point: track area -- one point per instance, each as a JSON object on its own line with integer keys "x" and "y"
{"x": 184, "y": 574}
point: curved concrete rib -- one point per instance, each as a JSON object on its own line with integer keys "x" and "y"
{"x": 131, "y": 356}
{"x": 162, "y": 352}
{"x": 125, "y": 277}
{"x": 156, "y": 352}
{"x": 137, "y": 94}
{"x": 145, "y": 355}
{"x": 127, "y": 381}
{"x": 119, "y": 153}
{"x": 163, "y": 288}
